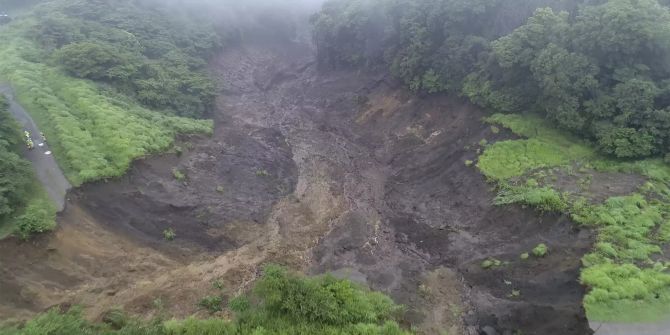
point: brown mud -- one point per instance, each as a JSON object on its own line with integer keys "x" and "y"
{"x": 322, "y": 171}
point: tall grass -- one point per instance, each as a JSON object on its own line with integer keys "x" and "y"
{"x": 94, "y": 133}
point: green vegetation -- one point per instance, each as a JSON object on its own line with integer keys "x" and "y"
{"x": 16, "y": 174}
{"x": 544, "y": 147}
{"x": 543, "y": 198}
{"x": 262, "y": 173}
{"x": 140, "y": 50}
{"x": 280, "y": 303}
{"x": 596, "y": 68}
{"x": 39, "y": 216}
{"x": 623, "y": 272}
{"x": 25, "y": 209}
{"x": 212, "y": 303}
{"x": 524, "y": 256}
{"x": 96, "y": 128}
{"x": 217, "y": 284}
{"x": 540, "y": 250}
{"x": 178, "y": 175}
{"x": 169, "y": 234}
{"x": 491, "y": 263}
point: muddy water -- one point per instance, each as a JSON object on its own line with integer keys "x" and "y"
{"x": 325, "y": 172}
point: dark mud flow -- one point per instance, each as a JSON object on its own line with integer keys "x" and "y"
{"x": 409, "y": 205}
{"x": 323, "y": 171}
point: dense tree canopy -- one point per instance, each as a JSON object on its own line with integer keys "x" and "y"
{"x": 15, "y": 172}
{"x": 157, "y": 58}
{"x": 597, "y": 68}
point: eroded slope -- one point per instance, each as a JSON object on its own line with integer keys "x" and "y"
{"x": 335, "y": 171}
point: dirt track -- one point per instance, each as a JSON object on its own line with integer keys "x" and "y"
{"x": 321, "y": 171}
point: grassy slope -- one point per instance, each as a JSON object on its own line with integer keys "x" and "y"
{"x": 95, "y": 134}
{"x": 626, "y": 273}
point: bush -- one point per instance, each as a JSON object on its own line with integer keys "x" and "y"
{"x": 322, "y": 300}
{"x": 540, "y": 250}
{"x": 491, "y": 263}
{"x": 169, "y": 234}
{"x": 211, "y": 303}
{"x": 178, "y": 175}
{"x": 616, "y": 288}
{"x": 543, "y": 198}
{"x": 39, "y": 217}
{"x": 54, "y": 322}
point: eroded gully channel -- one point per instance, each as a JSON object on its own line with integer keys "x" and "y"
{"x": 323, "y": 171}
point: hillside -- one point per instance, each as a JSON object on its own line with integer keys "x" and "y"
{"x": 361, "y": 167}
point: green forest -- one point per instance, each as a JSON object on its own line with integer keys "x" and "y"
{"x": 281, "y": 302}
{"x": 585, "y": 84}
{"x": 103, "y": 95}
{"x": 596, "y": 68}
{"x": 107, "y": 83}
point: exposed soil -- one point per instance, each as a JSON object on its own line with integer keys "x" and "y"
{"x": 594, "y": 185}
{"x": 325, "y": 172}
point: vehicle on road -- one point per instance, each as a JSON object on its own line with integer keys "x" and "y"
{"x": 5, "y": 18}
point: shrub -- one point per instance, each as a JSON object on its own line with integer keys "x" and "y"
{"x": 543, "y": 198}
{"x": 39, "y": 217}
{"x": 169, "y": 234}
{"x": 212, "y": 303}
{"x": 322, "y": 300}
{"x": 218, "y": 284}
{"x": 495, "y": 129}
{"x": 540, "y": 250}
{"x": 178, "y": 175}
{"x": 54, "y": 322}
{"x": 490, "y": 263}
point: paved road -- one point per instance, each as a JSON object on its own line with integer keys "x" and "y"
{"x": 48, "y": 171}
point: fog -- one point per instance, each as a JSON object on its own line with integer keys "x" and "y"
{"x": 275, "y": 19}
